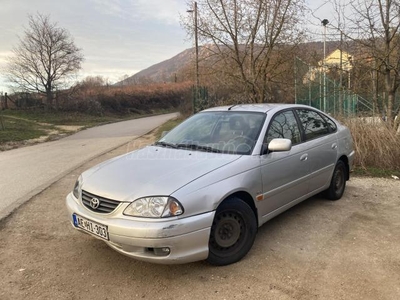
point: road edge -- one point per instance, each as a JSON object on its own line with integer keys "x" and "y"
{"x": 13, "y": 207}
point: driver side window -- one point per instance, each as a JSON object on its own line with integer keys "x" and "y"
{"x": 283, "y": 125}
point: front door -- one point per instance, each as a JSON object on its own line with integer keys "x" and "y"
{"x": 284, "y": 174}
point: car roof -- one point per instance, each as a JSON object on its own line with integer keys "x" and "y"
{"x": 262, "y": 107}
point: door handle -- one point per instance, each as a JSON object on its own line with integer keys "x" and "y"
{"x": 334, "y": 146}
{"x": 304, "y": 157}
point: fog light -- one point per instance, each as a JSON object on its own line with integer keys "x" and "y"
{"x": 164, "y": 251}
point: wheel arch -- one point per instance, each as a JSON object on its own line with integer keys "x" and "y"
{"x": 345, "y": 160}
{"x": 247, "y": 198}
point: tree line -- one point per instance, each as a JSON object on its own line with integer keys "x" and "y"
{"x": 252, "y": 45}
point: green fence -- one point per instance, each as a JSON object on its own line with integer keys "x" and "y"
{"x": 314, "y": 88}
{"x": 201, "y": 99}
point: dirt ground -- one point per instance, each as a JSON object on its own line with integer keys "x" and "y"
{"x": 348, "y": 249}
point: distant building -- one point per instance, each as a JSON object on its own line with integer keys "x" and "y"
{"x": 331, "y": 61}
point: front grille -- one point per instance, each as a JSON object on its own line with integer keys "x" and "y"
{"x": 105, "y": 205}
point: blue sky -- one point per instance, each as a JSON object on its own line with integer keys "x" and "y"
{"x": 118, "y": 37}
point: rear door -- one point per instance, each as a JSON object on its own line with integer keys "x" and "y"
{"x": 284, "y": 174}
{"x": 320, "y": 139}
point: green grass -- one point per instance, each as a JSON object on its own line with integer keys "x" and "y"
{"x": 21, "y": 125}
{"x": 376, "y": 172}
{"x": 24, "y": 125}
{"x": 20, "y": 130}
{"x": 66, "y": 118}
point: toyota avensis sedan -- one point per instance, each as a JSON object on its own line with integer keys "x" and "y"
{"x": 204, "y": 188}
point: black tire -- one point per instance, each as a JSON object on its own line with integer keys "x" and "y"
{"x": 232, "y": 233}
{"x": 338, "y": 182}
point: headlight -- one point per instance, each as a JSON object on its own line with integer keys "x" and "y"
{"x": 78, "y": 188}
{"x": 154, "y": 207}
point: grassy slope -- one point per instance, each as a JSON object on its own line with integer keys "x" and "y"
{"x": 20, "y": 130}
{"x": 64, "y": 118}
{"x": 25, "y": 125}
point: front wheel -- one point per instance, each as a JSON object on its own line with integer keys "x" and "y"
{"x": 338, "y": 182}
{"x": 232, "y": 233}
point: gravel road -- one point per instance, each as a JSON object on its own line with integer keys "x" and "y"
{"x": 348, "y": 249}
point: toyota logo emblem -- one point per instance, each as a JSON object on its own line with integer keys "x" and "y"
{"x": 94, "y": 203}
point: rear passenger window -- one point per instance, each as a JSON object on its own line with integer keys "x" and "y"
{"x": 284, "y": 125}
{"x": 313, "y": 124}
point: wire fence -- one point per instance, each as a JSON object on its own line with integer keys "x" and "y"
{"x": 200, "y": 98}
{"x": 314, "y": 87}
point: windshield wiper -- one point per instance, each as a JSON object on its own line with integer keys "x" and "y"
{"x": 165, "y": 144}
{"x": 198, "y": 147}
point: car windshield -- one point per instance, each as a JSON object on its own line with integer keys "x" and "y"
{"x": 221, "y": 132}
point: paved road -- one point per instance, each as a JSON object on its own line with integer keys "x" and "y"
{"x": 26, "y": 171}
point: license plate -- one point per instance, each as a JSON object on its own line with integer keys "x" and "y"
{"x": 90, "y": 226}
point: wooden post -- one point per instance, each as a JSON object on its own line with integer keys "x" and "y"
{"x": 5, "y": 101}
{"x": 1, "y": 111}
{"x": 56, "y": 99}
{"x": 1, "y": 121}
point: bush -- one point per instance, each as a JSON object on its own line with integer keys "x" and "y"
{"x": 128, "y": 99}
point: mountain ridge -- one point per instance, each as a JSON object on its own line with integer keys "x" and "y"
{"x": 170, "y": 69}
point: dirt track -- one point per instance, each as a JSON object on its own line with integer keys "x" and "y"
{"x": 348, "y": 249}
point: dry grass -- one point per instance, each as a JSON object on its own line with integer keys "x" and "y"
{"x": 376, "y": 145}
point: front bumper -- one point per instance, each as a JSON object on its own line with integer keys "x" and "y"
{"x": 187, "y": 238}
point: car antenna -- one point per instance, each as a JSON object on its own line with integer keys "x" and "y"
{"x": 232, "y": 106}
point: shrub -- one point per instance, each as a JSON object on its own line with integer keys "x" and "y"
{"x": 128, "y": 99}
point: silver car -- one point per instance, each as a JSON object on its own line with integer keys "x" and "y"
{"x": 204, "y": 188}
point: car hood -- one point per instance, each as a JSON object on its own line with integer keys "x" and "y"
{"x": 151, "y": 171}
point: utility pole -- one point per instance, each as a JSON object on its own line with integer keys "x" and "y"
{"x": 341, "y": 75}
{"x": 196, "y": 40}
{"x": 324, "y": 23}
{"x": 295, "y": 80}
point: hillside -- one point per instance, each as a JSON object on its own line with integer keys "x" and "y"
{"x": 165, "y": 71}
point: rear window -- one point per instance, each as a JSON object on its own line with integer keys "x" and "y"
{"x": 314, "y": 125}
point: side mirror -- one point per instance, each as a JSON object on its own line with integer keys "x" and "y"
{"x": 164, "y": 133}
{"x": 277, "y": 145}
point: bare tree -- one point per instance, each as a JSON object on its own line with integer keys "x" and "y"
{"x": 45, "y": 56}
{"x": 248, "y": 40}
{"x": 376, "y": 26}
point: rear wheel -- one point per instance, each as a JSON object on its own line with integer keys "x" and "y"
{"x": 232, "y": 233}
{"x": 338, "y": 182}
